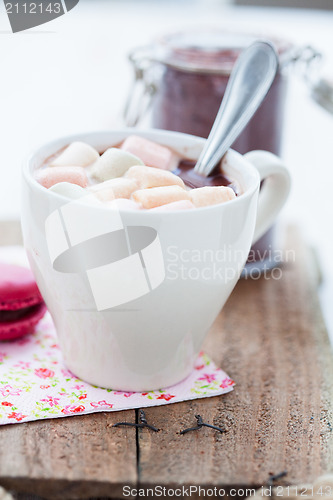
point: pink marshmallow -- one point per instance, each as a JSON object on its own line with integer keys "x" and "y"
{"x": 158, "y": 196}
{"x": 211, "y": 195}
{"x": 151, "y": 153}
{"x": 49, "y": 176}
{"x": 175, "y": 205}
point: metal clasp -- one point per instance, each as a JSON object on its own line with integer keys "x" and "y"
{"x": 143, "y": 88}
{"x": 308, "y": 62}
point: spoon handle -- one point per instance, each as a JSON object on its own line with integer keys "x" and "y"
{"x": 248, "y": 84}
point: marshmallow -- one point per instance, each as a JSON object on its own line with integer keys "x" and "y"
{"x": 211, "y": 195}
{"x": 68, "y": 190}
{"x": 123, "y": 204}
{"x": 75, "y": 192}
{"x": 175, "y": 205}
{"x": 113, "y": 163}
{"x": 155, "y": 197}
{"x": 152, "y": 154}
{"x": 50, "y": 176}
{"x": 150, "y": 177}
{"x": 114, "y": 188}
{"x": 77, "y": 154}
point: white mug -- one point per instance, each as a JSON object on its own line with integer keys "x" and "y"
{"x": 134, "y": 318}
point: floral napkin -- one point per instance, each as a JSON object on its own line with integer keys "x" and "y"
{"x": 35, "y": 384}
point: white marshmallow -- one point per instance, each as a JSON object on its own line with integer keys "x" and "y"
{"x": 123, "y": 204}
{"x": 75, "y": 192}
{"x": 77, "y": 154}
{"x": 113, "y": 163}
{"x": 114, "y": 188}
{"x": 150, "y": 177}
{"x": 68, "y": 190}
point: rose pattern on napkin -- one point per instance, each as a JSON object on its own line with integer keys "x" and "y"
{"x": 35, "y": 384}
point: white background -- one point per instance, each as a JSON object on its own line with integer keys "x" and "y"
{"x": 72, "y": 75}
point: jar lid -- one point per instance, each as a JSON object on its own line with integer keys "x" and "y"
{"x": 213, "y": 51}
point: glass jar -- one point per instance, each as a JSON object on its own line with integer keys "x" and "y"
{"x": 183, "y": 78}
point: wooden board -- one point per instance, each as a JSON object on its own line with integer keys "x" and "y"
{"x": 69, "y": 457}
{"x": 272, "y": 341}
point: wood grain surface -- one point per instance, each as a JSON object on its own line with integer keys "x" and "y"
{"x": 69, "y": 457}
{"x": 272, "y": 341}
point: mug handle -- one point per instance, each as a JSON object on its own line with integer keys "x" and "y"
{"x": 274, "y": 191}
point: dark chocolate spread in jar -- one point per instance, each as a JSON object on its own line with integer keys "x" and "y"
{"x": 194, "y": 75}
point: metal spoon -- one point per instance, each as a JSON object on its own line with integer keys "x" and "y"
{"x": 249, "y": 82}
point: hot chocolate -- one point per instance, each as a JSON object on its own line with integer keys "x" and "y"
{"x": 139, "y": 175}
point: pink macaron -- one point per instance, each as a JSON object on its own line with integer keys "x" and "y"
{"x": 21, "y": 304}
